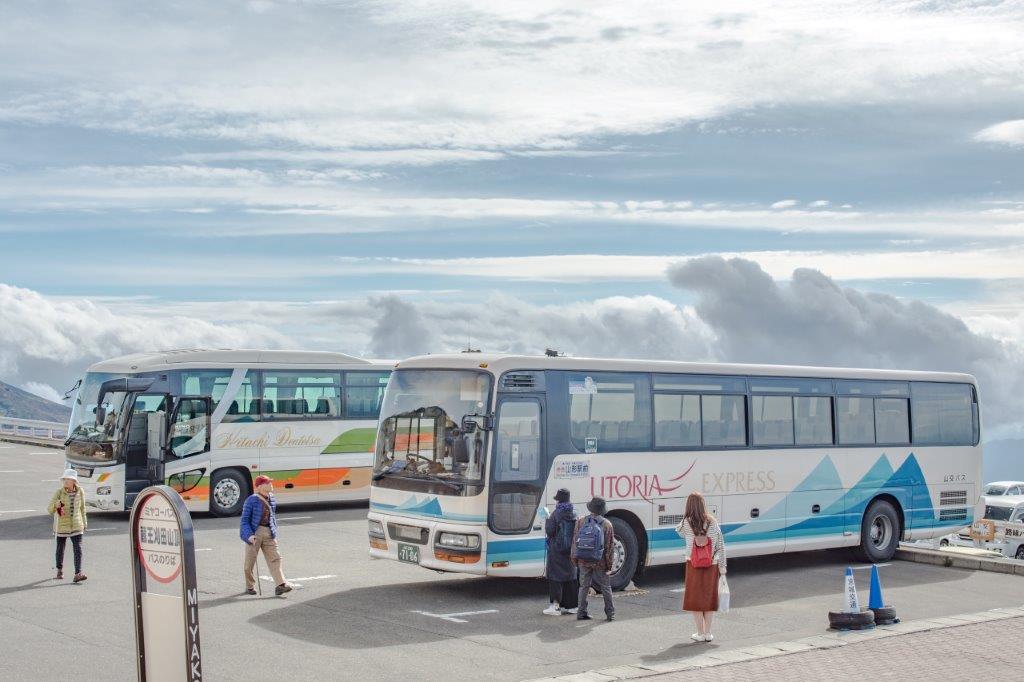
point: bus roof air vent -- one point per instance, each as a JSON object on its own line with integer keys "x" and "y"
{"x": 522, "y": 381}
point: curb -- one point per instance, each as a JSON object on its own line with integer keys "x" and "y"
{"x": 953, "y": 560}
{"x": 829, "y": 640}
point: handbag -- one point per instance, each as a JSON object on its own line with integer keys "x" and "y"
{"x": 723, "y": 594}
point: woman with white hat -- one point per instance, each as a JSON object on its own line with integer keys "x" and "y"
{"x": 69, "y": 521}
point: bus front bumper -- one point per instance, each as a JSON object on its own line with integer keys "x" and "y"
{"x": 436, "y": 545}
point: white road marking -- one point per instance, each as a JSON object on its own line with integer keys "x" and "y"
{"x": 864, "y": 568}
{"x": 204, "y": 549}
{"x": 292, "y": 518}
{"x": 13, "y": 471}
{"x": 455, "y": 617}
{"x": 17, "y": 511}
{"x": 49, "y": 480}
{"x": 6, "y": 447}
{"x": 297, "y": 581}
{"x": 90, "y": 530}
{"x": 681, "y": 589}
{"x": 48, "y": 452}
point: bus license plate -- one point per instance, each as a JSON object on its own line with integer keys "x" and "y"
{"x": 408, "y": 553}
{"x": 83, "y": 472}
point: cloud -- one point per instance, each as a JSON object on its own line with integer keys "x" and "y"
{"x": 1008, "y": 132}
{"x": 741, "y": 314}
{"x": 814, "y": 321}
{"x": 993, "y": 263}
{"x": 785, "y": 203}
{"x": 400, "y": 331}
{"x": 44, "y": 391}
{"x": 48, "y": 341}
{"x": 481, "y": 76}
{"x": 820, "y": 203}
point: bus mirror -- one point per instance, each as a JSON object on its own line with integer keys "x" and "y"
{"x": 101, "y": 415}
{"x": 468, "y": 425}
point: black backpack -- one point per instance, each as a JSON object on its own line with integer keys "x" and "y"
{"x": 563, "y": 534}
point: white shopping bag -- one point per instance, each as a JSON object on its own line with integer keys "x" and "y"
{"x": 723, "y": 595}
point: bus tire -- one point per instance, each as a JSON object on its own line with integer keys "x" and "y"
{"x": 879, "y": 533}
{"x": 630, "y": 548}
{"x": 228, "y": 490}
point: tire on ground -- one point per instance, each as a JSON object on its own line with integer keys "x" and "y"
{"x": 885, "y": 615}
{"x": 624, "y": 533}
{"x": 884, "y": 514}
{"x": 223, "y": 486}
{"x": 1020, "y": 553}
{"x": 838, "y": 620}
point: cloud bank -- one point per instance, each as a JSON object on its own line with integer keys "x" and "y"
{"x": 740, "y": 314}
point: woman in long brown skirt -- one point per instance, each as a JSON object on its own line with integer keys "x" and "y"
{"x": 704, "y": 545}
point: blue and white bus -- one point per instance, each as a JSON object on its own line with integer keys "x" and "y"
{"x": 471, "y": 449}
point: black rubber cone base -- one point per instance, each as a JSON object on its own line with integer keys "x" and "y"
{"x": 839, "y": 620}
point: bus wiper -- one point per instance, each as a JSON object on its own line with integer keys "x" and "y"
{"x": 437, "y": 479}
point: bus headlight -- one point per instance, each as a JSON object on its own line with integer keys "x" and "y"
{"x": 458, "y": 540}
{"x": 103, "y": 490}
{"x": 376, "y": 528}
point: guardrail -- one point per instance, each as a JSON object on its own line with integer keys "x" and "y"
{"x": 33, "y": 431}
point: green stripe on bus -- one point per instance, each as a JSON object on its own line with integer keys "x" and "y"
{"x": 354, "y": 440}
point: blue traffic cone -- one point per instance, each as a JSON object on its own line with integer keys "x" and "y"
{"x": 875, "y": 600}
{"x": 884, "y": 615}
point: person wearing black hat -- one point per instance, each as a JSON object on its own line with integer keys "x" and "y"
{"x": 560, "y": 528}
{"x": 592, "y": 550}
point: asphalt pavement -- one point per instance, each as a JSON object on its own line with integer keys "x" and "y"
{"x": 353, "y": 617}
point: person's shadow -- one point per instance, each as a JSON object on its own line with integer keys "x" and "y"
{"x": 39, "y": 584}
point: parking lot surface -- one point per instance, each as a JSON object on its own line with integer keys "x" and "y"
{"x": 354, "y": 617}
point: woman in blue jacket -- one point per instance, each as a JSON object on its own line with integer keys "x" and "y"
{"x": 258, "y": 531}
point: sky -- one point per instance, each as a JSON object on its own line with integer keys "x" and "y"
{"x": 796, "y": 182}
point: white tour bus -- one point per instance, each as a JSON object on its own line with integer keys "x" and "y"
{"x": 472, "y": 448}
{"x": 206, "y": 422}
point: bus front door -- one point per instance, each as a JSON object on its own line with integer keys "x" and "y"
{"x": 517, "y": 474}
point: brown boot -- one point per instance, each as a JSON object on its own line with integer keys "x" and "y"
{"x": 79, "y": 577}
{"x": 60, "y": 575}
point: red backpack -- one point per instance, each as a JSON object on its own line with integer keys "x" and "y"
{"x": 702, "y": 553}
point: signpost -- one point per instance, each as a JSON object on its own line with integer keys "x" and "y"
{"x": 164, "y": 580}
{"x": 983, "y": 530}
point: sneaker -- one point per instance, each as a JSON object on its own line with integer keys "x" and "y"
{"x": 60, "y": 575}
{"x": 79, "y": 577}
{"x": 282, "y": 589}
{"x": 583, "y": 616}
{"x": 697, "y": 637}
{"x": 250, "y": 590}
{"x": 709, "y": 637}
{"x": 610, "y": 618}
{"x": 552, "y": 610}
{"x": 570, "y": 612}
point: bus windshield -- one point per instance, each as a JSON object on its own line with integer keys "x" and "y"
{"x": 427, "y": 426}
{"x": 88, "y": 440}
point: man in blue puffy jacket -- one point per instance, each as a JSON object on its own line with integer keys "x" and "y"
{"x": 258, "y": 531}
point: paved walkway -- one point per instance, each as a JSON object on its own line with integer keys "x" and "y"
{"x": 968, "y": 652}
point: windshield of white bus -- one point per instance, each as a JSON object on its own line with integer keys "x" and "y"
{"x": 87, "y": 439}
{"x": 430, "y": 425}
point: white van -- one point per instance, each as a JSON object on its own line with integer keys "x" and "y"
{"x": 1009, "y": 541}
{"x": 1009, "y": 510}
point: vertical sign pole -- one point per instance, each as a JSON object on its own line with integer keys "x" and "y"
{"x": 166, "y": 597}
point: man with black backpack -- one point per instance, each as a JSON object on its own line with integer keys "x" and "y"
{"x": 592, "y": 549}
{"x": 560, "y": 527}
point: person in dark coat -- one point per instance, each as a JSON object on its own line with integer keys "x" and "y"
{"x": 563, "y": 586}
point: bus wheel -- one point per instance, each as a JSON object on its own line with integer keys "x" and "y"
{"x": 1020, "y": 553}
{"x": 879, "y": 533}
{"x": 625, "y": 554}
{"x": 228, "y": 491}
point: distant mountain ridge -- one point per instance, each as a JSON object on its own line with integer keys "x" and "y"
{"x": 14, "y": 402}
